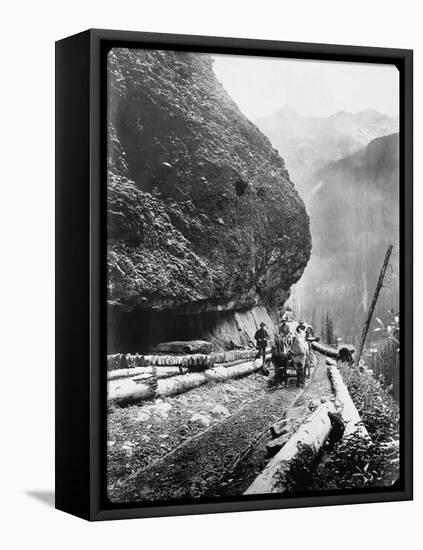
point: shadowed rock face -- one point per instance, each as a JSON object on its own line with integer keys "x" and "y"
{"x": 201, "y": 213}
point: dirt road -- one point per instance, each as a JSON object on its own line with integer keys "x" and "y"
{"x": 187, "y": 446}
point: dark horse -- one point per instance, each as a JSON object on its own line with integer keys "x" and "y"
{"x": 280, "y": 358}
{"x": 299, "y": 355}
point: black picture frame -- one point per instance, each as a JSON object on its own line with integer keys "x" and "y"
{"x": 80, "y": 273}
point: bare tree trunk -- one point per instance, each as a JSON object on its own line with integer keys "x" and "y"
{"x": 127, "y": 390}
{"x": 350, "y": 416}
{"x": 325, "y": 350}
{"x": 311, "y": 436}
{"x": 373, "y": 304}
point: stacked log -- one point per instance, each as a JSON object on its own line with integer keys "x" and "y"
{"x": 121, "y": 361}
{"x": 125, "y": 391}
{"x": 311, "y": 436}
{"x": 128, "y": 391}
{"x": 190, "y": 346}
{"x": 160, "y": 372}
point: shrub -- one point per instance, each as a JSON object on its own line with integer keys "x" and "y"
{"x": 354, "y": 462}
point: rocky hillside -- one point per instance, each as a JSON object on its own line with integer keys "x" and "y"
{"x": 202, "y": 215}
{"x": 354, "y": 211}
{"x": 309, "y": 143}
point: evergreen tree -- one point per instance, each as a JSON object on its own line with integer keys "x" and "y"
{"x": 330, "y": 337}
{"x": 313, "y": 319}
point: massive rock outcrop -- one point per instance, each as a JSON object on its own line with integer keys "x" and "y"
{"x": 202, "y": 216}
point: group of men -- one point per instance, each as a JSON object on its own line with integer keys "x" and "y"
{"x": 262, "y": 339}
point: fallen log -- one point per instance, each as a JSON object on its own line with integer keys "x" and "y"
{"x": 231, "y": 363}
{"x": 217, "y": 374}
{"x": 121, "y": 361}
{"x": 160, "y": 372}
{"x": 126, "y": 390}
{"x": 325, "y": 350}
{"x": 345, "y": 353}
{"x": 349, "y": 413}
{"x": 311, "y": 436}
{"x": 190, "y": 346}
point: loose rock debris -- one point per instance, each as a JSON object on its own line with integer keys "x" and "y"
{"x": 209, "y": 441}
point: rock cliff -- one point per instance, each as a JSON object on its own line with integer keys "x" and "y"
{"x": 202, "y": 216}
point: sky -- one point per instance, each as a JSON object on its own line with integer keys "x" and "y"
{"x": 262, "y": 85}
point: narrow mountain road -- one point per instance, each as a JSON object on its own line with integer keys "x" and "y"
{"x": 221, "y": 459}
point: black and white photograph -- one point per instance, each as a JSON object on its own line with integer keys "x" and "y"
{"x": 210, "y": 242}
{"x": 253, "y": 276}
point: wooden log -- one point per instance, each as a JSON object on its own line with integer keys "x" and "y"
{"x": 231, "y": 363}
{"x": 113, "y": 361}
{"x": 311, "y": 436}
{"x": 184, "y": 383}
{"x": 126, "y": 391}
{"x": 190, "y": 346}
{"x": 373, "y": 304}
{"x": 195, "y": 360}
{"x": 325, "y": 350}
{"x": 218, "y": 357}
{"x": 349, "y": 413}
{"x": 161, "y": 372}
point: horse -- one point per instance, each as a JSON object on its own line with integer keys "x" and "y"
{"x": 299, "y": 353}
{"x": 280, "y": 359}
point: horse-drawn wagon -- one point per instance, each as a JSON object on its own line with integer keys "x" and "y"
{"x": 292, "y": 357}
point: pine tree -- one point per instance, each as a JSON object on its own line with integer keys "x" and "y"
{"x": 313, "y": 318}
{"x": 330, "y": 337}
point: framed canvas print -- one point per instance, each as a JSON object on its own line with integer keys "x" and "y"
{"x": 234, "y": 274}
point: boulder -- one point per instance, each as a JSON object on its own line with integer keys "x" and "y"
{"x": 161, "y": 409}
{"x": 220, "y": 410}
{"x": 200, "y": 420}
{"x": 143, "y": 416}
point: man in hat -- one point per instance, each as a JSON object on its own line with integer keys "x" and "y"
{"x": 262, "y": 338}
{"x": 301, "y": 328}
{"x": 284, "y": 329}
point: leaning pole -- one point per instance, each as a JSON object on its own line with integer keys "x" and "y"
{"x": 373, "y": 304}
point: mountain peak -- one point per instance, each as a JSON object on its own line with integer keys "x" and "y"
{"x": 287, "y": 110}
{"x": 369, "y": 112}
{"x": 341, "y": 113}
